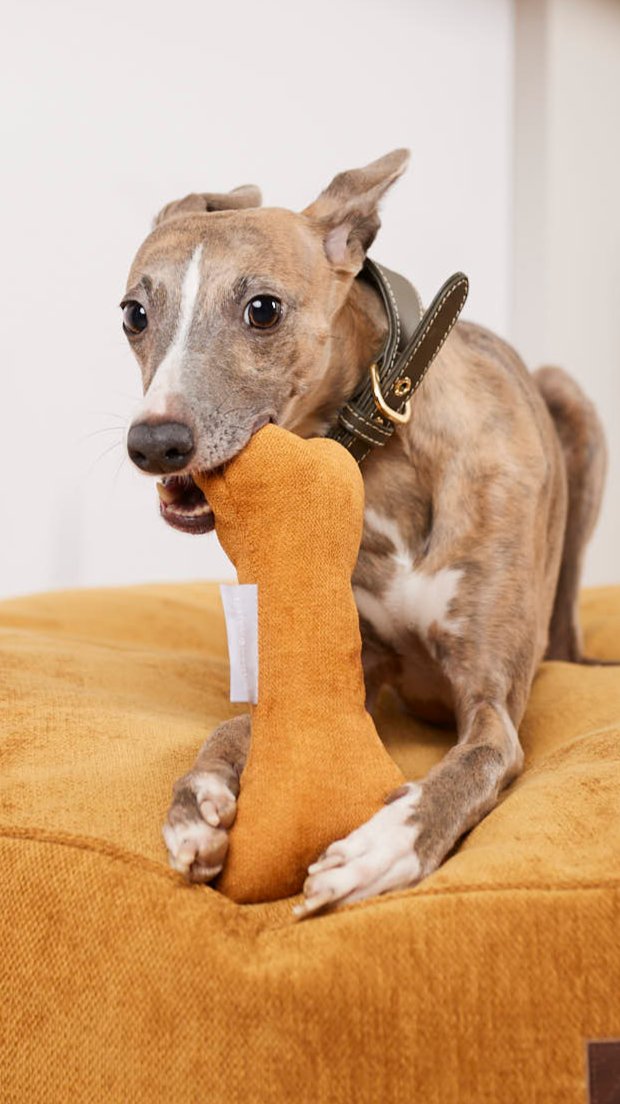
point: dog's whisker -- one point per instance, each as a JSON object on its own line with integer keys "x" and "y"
{"x": 106, "y": 414}
{"x": 230, "y": 410}
{"x": 117, "y": 444}
{"x": 126, "y": 395}
{"x": 118, "y": 471}
{"x": 96, "y": 432}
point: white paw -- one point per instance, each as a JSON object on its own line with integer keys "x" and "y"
{"x": 377, "y": 857}
{"x": 196, "y": 829}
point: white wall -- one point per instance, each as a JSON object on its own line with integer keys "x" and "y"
{"x": 117, "y": 108}
{"x": 567, "y": 216}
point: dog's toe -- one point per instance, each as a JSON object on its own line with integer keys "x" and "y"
{"x": 377, "y": 857}
{"x": 196, "y": 828}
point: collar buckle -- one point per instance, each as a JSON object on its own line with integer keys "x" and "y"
{"x": 414, "y": 338}
{"x": 402, "y": 387}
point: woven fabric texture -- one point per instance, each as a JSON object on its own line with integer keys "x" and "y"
{"x": 118, "y": 982}
{"x": 317, "y": 768}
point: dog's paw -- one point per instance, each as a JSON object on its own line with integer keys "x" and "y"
{"x": 196, "y": 828}
{"x": 377, "y": 857}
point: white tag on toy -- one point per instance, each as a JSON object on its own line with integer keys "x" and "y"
{"x": 240, "y": 603}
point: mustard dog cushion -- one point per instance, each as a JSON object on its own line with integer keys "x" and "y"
{"x": 119, "y": 982}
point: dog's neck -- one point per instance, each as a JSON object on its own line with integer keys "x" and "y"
{"x": 357, "y": 336}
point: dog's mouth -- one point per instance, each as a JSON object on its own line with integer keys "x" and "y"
{"x": 183, "y": 505}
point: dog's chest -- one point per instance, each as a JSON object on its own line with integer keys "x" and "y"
{"x": 396, "y": 593}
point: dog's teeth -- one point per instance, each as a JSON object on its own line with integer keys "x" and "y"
{"x": 194, "y": 511}
{"x": 164, "y": 493}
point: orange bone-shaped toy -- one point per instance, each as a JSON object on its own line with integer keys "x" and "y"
{"x": 289, "y": 514}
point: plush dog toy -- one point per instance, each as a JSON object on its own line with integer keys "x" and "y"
{"x": 289, "y": 515}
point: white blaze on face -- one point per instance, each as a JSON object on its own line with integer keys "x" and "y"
{"x": 166, "y": 379}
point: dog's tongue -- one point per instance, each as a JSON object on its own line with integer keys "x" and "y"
{"x": 181, "y": 496}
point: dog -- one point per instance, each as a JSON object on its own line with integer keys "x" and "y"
{"x": 477, "y": 512}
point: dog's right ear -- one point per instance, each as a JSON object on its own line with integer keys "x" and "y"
{"x": 247, "y": 195}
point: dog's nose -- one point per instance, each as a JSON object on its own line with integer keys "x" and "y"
{"x": 166, "y": 447}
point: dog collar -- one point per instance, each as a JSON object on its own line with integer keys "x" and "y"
{"x": 382, "y": 401}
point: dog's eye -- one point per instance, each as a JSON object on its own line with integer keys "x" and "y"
{"x": 263, "y": 312}
{"x": 134, "y": 317}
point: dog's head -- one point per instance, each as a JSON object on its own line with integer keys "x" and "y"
{"x": 229, "y": 309}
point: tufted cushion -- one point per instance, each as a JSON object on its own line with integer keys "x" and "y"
{"x": 121, "y": 983}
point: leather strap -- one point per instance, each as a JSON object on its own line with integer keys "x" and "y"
{"x": 413, "y": 340}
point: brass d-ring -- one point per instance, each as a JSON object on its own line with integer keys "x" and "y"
{"x": 387, "y": 411}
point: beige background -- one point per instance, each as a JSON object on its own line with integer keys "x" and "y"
{"x": 511, "y": 111}
{"x": 565, "y": 301}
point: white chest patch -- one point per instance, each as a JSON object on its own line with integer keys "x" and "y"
{"x": 167, "y": 377}
{"x": 413, "y": 600}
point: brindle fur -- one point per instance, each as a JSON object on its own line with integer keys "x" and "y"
{"x": 498, "y": 475}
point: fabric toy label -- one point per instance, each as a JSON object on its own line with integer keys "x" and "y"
{"x": 240, "y": 603}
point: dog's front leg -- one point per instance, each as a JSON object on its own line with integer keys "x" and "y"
{"x": 421, "y": 821}
{"x": 204, "y": 802}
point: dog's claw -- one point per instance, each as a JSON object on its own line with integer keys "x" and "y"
{"x": 310, "y": 905}
{"x": 210, "y": 813}
{"x": 326, "y": 862}
{"x": 185, "y": 857}
{"x": 195, "y": 833}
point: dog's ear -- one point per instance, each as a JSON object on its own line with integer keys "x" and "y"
{"x": 347, "y": 212}
{"x": 247, "y": 195}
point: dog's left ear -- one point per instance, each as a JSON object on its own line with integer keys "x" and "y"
{"x": 247, "y": 195}
{"x": 347, "y": 212}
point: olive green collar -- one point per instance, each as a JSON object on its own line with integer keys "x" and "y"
{"x": 382, "y": 401}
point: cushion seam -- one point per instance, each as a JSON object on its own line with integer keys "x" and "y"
{"x": 130, "y": 858}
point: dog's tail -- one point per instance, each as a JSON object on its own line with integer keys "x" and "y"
{"x": 582, "y": 440}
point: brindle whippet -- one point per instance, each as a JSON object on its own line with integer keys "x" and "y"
{"x": 477, "y": 512}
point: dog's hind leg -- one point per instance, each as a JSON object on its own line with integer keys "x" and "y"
{"x": 585, "y": 456}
